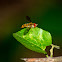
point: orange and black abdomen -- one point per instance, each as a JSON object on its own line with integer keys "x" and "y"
{"x": 22, "y": 26}
{"x": 25, "y": 25}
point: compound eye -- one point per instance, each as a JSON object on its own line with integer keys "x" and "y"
{"x": 34, "y": 24}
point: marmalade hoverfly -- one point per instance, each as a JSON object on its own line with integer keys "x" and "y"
{"x": 29, "y": 25}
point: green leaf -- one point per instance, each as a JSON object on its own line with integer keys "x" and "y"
{"x": 35, "y": 39}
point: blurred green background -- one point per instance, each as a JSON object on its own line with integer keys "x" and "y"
{"x": 46, "y": 13}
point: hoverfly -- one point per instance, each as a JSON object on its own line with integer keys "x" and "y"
{"x": 29, "y": 25}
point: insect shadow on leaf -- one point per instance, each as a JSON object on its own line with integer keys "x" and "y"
{"x": 26, "y": 31}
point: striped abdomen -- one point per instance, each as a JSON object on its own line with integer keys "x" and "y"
{"x": 25, "y": 25}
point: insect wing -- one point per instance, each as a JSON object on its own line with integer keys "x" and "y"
{"x": 28, "y": 18}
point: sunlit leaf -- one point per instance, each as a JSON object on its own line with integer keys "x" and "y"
{"x": 35, "y": 39}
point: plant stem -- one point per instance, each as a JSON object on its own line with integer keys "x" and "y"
{"x": 47, "y": 56}
{"x": 51, "y": 50}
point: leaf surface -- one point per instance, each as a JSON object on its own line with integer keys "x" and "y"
{"x": 35, "y": 39}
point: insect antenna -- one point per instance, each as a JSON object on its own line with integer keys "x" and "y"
{"x": 28, "y": 18}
